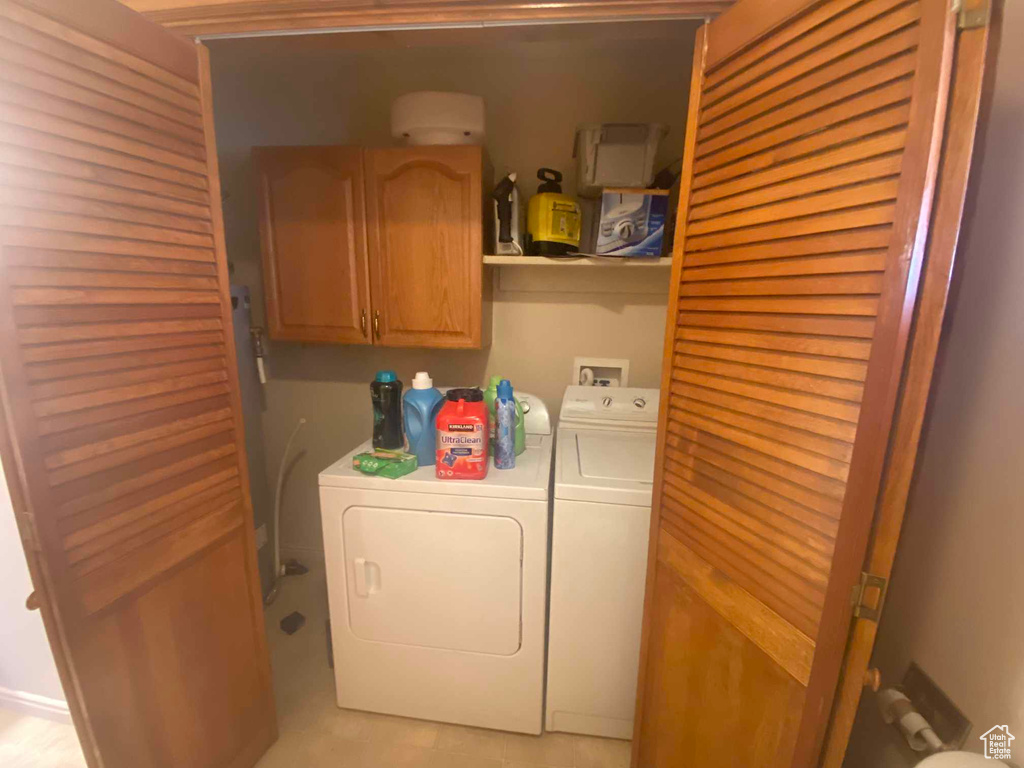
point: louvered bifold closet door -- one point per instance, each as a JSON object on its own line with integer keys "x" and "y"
{"x": 120, "y": 387}
{"x": 810, "y": 156}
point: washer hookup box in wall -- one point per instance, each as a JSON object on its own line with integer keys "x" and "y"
{"x": 632, "y": 222}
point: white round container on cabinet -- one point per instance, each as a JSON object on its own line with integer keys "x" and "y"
{"x": 438, "y": 117}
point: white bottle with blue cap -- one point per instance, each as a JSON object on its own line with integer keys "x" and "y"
{"x": 420, "y": 406}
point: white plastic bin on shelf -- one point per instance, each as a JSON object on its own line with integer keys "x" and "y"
{"x": 616, "y": 155}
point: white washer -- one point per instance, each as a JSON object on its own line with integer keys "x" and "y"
{"x": 604, "y": 470}
{"x": 437, "y": 588}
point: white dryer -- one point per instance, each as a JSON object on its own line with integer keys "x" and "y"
{"x": 604, "y": 470}
{"x": 437, "y": 588}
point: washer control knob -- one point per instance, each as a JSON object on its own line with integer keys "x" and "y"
{"x": 640, "y": 402}
{"x": 606, "y": 402}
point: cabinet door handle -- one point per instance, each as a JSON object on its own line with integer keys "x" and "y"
{"x": 376, "y": 323}
{"x": 362, "y": 322}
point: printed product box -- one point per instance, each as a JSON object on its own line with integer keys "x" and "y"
{"x": 632, "y": 222}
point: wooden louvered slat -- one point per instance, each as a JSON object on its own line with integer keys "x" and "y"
{"x": 884, "y": 60}
{"x": 114, "y": 181}
{"x": 63, "y": 142}
{"x": 62, "y": 98}
{"x": 78, "y": 384}
{"x": 144, "y": 501}
{"x": 212, "y": 484}
{"x": 119, "y": 458}
{"x": 816, "y": 364}
{"x": 76, "y": 57}
{"x": 148, "y": 357}
{"x": 118, "y": 375}
{"x": 803, "y": 439}
{"x": 39, "y": 101}
{"x": 829, "y": 23}
{"x": 809, "y": 224}
{"x": 765, "y": 193}
{"x": 142, "y": 204}
{"x": 828, "y": 386}
{"x": 47, "y": 201}
{"x": 822, "y": 130}
{"x": 834, "y": 200}
{"x": 853, "y": 349}
{"x": 781, "y": 40}
{"x": 55, "y": 259}
{"x": 806, "y": 550}
{"x": 812, "y": 481}
{"x": 88, "y": 332}
{"x": 787, "y": 594}
{"x": 805, "y": 172}
{"x": 33, "y": 276}
{"x": 792, "y": 604}
{"x": 63, "y": 405}
{"x": 173, "y": 395}
{"x": 870, "y": 283}
{"x": 181, "y": 75}
{"x": 15, "y": 55}
{"x": 107, "y": 549}
{"x": 807, "y": 72}
{"x": 812, "y": 107}
{"x": 92, "y": 317}
{"x": 858, "y": 327}
{"x": 860, "y": 262}
{"x": 735, "y": 475}
{"x": 802, "y": 420}
{"x": 828, "y": 242}
{"x": 14, "y": 177}
{"x": 76, "y": 497}
{"x": 112, "y": 434}
{"x": 811, "y": 138}
{"x": 15, "y": 114}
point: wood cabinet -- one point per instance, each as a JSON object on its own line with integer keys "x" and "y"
{"x": 423, "y": 212}
{"x": 313, "y": 237}
{"x": 380, "y": 246}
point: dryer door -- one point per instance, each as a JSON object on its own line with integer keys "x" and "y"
{"x": 434, "y": 579}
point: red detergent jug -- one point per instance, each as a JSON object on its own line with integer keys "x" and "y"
{"x": 462, "y": 436}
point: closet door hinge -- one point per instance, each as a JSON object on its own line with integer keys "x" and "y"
{"x": 868, "y": 596}
{"x": 971, "y": 14}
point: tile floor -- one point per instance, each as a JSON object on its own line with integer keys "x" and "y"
{"x": 31, "y": 742}
{"x": 314, "y": 733}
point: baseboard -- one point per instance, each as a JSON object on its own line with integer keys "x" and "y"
{"x": 35, "y": 705}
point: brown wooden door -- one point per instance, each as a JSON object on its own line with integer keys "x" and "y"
{"x": 313, "y": 237}
{"x": 122, "y": 432}
{"x": 811, "y": 153}
{"x": 423, "y": 211}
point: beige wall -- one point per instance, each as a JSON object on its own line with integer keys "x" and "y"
{"x": 269, "y": 92}
{"x": 956, "y": 605}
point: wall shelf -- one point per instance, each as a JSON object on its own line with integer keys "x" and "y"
{"x": 580, "y": 261}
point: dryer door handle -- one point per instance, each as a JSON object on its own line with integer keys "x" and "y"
{"x": 367, "y": 577}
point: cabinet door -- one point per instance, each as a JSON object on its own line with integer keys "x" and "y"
{"x": 313, "y": 237}
{"x": 810, "y": 160}
{"x": 424, "y": 215}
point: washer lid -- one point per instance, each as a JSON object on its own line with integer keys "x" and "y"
{"x": 605, "y": 466}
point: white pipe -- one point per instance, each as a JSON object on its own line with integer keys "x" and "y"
{"x": 278, "y": 568}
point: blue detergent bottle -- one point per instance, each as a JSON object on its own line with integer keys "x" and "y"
{"x": 420, "y": 406}
{"x": 505, "y": 427}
